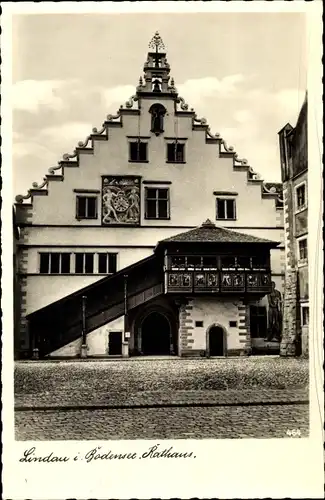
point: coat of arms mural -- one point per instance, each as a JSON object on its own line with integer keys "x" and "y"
{"x": 120, "y": 200}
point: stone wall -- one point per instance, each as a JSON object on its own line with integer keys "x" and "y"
{"x": 186, "y": 330}
{"x": 288, "y": 346}
{"x": 305, "y": 341}
{"x": 97, "y": 341}
{"x": 197, "y": 315}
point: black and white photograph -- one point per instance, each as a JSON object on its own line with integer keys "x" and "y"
{"x": 160, "y": 226}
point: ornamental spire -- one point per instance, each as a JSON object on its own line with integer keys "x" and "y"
{"x": 156, "y": 42}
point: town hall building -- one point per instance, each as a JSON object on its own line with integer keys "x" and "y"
{"x": 152, "y": 238}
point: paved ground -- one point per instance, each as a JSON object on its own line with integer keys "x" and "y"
{"x": 78, "y": 400}
{"x": 163, "y": 423}
{"x": 102, "y": 399}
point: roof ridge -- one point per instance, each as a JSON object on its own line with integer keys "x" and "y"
{"x": 208, "y": 232}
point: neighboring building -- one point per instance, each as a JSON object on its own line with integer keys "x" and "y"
{"x": 294, "y": 169}
{"x": 17, "y": 295}
{"x": 114, "y": 258}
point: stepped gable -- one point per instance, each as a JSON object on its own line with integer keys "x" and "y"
{"x": 275, "y": 189}
{"x": 156, "y": 82}
{"x": 208, "y": 232}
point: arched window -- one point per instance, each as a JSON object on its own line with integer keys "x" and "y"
{"x": 157, "y": 118}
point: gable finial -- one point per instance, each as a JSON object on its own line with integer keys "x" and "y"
{"x": 208, "y": 223}
{"x": 156, "y": 42}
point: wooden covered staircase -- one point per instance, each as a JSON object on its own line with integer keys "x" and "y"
{"x": 60, "y": 323}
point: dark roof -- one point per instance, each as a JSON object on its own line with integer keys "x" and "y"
{"x": 287, "y": 126}
{"x": 210, "y": 233}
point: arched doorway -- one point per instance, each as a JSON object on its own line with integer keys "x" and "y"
{"x": 216, "y": 340}
{"x": 155, "y": 335}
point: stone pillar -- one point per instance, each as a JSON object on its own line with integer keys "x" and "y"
{"x": 125, "y": 349}
{"x": 35, "y": 354}
{"x": 289, "y": 328}
{"x": 35, "y": 348}
{"x": 83, "y": 352}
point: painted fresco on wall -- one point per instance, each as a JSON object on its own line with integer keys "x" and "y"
{"x": 120, "y": 200}
{"x": 301, "y": 223}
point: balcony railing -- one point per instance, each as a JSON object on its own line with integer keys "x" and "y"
{"x": 217, "y": 282}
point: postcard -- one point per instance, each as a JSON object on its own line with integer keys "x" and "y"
{"x": 161, "y": 266}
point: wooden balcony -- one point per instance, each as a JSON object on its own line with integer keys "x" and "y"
{"x": 218, "y": 282}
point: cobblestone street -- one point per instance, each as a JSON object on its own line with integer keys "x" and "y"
{"x": 261, "y": 398}
{"x": 163, "y": 423}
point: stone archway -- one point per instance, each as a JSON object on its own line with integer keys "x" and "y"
{"x": 155, "y": 330}
{"x": 155, "y": 334}
{"x": 216, "y": 340}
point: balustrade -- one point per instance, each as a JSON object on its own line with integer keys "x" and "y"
{"x": 217, "y": 281}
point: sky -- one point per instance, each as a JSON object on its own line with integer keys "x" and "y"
{"x": 244, "y": 72}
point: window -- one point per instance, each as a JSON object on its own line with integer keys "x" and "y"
{"x": 210, "y": 262}
{"x": 259, "y": 262}
{"x": 157, "y": 203}
{"x": 84, "y": 263}
{"x": 199, "y": 324}
{"x": 156, "y": 85}
{"x": 233, "y": 324}
{"x": 138, "y": 151}
{"x": 301, "y": 196}
{"x": 86, "y": 207}
{"x": 258, "y": 322}
{"x": 302, "y": 250}
{"x": 54, "y": 263}
{"x": 226, "y": 209}
{"x": 175, "y": 152}
{"x": 157, "y": 118}
{"x": 107, "y": 263}
{"x": 228, "y": 262}
{"x": 178, "y": 262}
{"x": 193, "y": 261}
{"x": 304, "y": 315}
{"x": 243, "y": 262}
